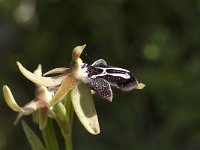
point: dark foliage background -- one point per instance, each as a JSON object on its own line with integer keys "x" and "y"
{"x": 158, "y": 40}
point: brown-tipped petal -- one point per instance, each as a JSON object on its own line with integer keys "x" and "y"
{"x": 77, "y": 52}
{"x": 68, "y": 84}
{"x": 39, "y": 80}
{"x": 38, "y": 71}
{"x": 10, "y": 100}
{"x": 62, "y": 70}
{"x": 84, "y": 107}
{"x": 141, "y": 86}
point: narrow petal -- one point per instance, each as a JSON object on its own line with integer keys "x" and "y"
{"x": 84, "y": 107}
{"x": 10, "y": 100}
{"x": 62, "y": 70}
{"x": 39, "y": 80}
{"x": 68, "y": 84}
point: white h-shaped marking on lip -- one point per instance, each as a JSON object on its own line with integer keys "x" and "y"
{"x": 122, "y": 75}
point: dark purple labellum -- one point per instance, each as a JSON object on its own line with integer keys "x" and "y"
{"x": 103, "y": 78}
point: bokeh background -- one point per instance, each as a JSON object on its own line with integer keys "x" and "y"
{"x": 157, "y": 40}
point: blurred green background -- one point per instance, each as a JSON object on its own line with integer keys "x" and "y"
{"x": 159, "y": 41}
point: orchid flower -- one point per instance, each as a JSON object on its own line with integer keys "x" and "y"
{"x": 53, "y": 90}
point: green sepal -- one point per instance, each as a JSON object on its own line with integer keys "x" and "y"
{"x": 84, "y": 107}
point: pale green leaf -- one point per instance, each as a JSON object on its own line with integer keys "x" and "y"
{"x": 33, "y": 139}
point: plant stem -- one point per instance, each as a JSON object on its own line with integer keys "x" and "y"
{"x": 68, "y": 142}
{"x": 70, "y": 112}
{"x": 64, "y": 117}
{"x": 49, "y": 136}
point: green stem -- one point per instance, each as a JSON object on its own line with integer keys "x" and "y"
{"x": 68, "y": 142}
{"x": 69, "y": 108}
{"x": 70, "y": 111}
{"x": 49, "y": 136}
{"x": 64, "y": 117}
